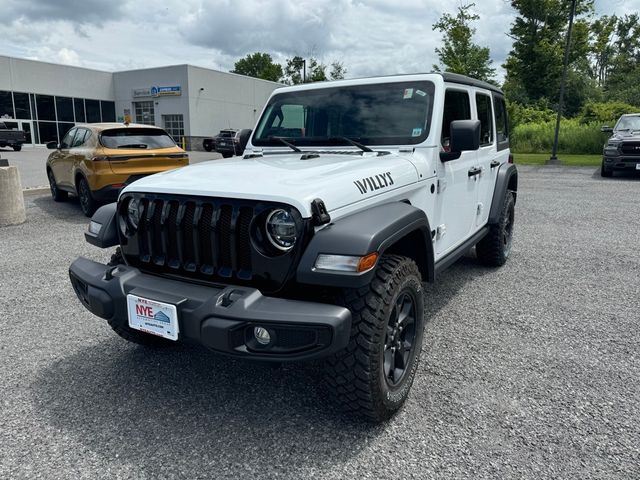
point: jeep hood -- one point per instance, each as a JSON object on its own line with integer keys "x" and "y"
{"x": 337, "y": 179}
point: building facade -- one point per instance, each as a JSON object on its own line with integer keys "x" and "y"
{"x": 191, "y": 103}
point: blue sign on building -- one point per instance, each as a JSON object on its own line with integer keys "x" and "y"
{"x": 166, "y": 91}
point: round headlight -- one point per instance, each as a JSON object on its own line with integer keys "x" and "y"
{"x": 133, "y": 212}
{"x": 281, "y": 229}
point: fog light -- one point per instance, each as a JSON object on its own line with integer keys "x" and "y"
{"x": 262, "y": 335}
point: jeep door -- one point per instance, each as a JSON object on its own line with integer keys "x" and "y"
{"x": 489, "y": 158}
{"x": 457, "y": 190}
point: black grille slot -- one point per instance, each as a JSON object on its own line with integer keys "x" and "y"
{"x": 631, "y": 148}
{"x": 199, "y": 237}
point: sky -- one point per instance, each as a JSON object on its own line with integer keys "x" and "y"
{"x": 370, "y": 37}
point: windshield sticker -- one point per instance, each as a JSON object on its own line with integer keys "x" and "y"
{"x": 408, "y": 93}
{"x": 416, "y": 132}
{"x": 376, "y": 182}
{"x": 421, "y": 93}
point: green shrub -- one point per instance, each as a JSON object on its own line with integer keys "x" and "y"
{"x": 520, "y": 114}
{"x": 575, "y": 137}
{"x": 606, "y": 113}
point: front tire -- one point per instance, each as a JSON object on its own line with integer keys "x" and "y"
{"x": 57, "y": 194}
{"x": 494, "y": 249}
{"x": 87, "y": 202}
{"x": 372, "y": 377}
{"x": 17, "y": 148}
{"x": 604, "y": 171}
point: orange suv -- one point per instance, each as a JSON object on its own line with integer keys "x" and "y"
{"x": 95, "y": 161}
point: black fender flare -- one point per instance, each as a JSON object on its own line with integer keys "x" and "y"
{"x": 107, "y": 236}
{"x": 377, "y": 229}
{"x": 507, "y": 179}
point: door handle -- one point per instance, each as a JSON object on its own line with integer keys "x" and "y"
{"x": 473, "y": 171}
{"x": 495, "y": 164}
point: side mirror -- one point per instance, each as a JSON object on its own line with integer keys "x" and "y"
{"x": 464, "y": 135}
{"x": 606, "y": 129}
{"x": 52, "y": 145}
{"x": 243, "y": 139}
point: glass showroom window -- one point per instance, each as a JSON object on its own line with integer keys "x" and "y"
{"x": 78, "y": 106}
{"x": 174, "y": 125}
{"x": 46, "y": 107}
{"x": 64, "y": 108}
{"x": 145, "y": 113}
{"x": 6, "y": 105}
{"x": 21, "y": 102}
{"x": 93, "y": 110}
{"x": 108, "y": 111}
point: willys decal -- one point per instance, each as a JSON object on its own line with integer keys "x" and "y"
{"x": 376, "y": 182}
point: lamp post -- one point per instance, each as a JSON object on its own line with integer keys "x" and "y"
{"x": 553, "y": 160}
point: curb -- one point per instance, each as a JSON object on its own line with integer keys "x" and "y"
{"x": 34, "y": 190}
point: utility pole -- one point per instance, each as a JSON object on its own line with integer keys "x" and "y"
{"x": 304, "y": 71}
{"x": 553, "y": 160}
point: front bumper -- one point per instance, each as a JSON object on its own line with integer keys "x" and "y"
{"x": 621, "y": 162}
{"x": 220, "y": 317}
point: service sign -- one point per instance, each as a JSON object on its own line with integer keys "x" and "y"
{"x": 173, "y": 90}
{"x": 141, "y": 92}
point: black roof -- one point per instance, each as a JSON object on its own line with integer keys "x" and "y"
{"x": 464, "y": 80}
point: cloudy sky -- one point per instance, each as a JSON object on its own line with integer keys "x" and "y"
{"x": 371, "y": 37}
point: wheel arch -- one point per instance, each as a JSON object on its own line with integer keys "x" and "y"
{"x": 506, "y": 181}
{"x": 398, "y": 228}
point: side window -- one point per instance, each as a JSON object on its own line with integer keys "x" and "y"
{"x": 502, "y": 126}
{"x": 485, "y": 115}
{"x": 457, "y": 106}
{"x": 80, "y": 137}
{"x": 68, "y": 139}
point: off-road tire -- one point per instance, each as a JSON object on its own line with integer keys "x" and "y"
{"x": 87, "y": 203}
{"x": 356, "y": 376}
{"x": 494, "y": 249}
{"x": 57, "y": 194}
{"x": 605, "y": 172}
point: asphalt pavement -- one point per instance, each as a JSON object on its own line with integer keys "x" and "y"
{"x": 31, "y": 163}
{"x": 530, "y": 371}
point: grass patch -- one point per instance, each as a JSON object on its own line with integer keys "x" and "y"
{"x": 565, "y": 159}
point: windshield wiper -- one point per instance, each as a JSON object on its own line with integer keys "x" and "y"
{"x": 284, "y": 142}
{"x": 133, "y": 145}
{"x": 362, "y": 147}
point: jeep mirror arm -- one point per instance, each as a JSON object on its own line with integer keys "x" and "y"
{"x": 464, "y": 135}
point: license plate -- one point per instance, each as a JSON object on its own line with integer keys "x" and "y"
{"x": 153, "y": 317}
{"x": 637, "y": 166}
{"x": 223, "y": 143}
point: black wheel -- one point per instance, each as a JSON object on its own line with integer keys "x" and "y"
{"x": 87, "y": 203}
{"x": 207, "y": 145}
{"x": 604, "y": 171}
{"x": 494, "y": 249}
{"x": 373, "y": 375}
{"x": 227, "y": 155}
{"x": 57, "y": 194}
{"x": 17, "y": 148}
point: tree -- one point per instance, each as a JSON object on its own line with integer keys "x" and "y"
{"x": 458, "y": 53}
{"x": 338, "y": 71}
{"x": 534, "y": 65}
{"x": 602, "y": 49}
{"x": 316, "y": 71}
{"x": 259, "y": 65}
{"x": 623, "y": 80}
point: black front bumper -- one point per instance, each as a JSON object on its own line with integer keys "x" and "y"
{"x": 220, "y": 317}
{"x": 622, "y": 162}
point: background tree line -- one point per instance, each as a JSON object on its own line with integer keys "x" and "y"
{"x": 603, "y": 78}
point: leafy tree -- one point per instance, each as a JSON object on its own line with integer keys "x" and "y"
{"x": 623, "y": 81}
{"x": 338, "y": 71}
{"x": 458, "y": 53}
{"x": 602, "y": 49}
{"x": 316, "y": 71}
{"x": 259, "y": 65}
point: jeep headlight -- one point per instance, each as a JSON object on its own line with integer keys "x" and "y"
{"x": 133, "y": 213}
{"x": 281, "y": 229}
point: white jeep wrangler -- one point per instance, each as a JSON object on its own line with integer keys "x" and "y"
{"x": 316, "y": 242}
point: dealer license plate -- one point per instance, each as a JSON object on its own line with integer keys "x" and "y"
{"x": 637, "y": 166}
{"x": 153, "y": 317}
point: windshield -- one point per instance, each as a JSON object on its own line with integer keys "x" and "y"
{"x": 143, "y": 138}
{"x": 381, "y": 114}
{"x": 629, "y": 123}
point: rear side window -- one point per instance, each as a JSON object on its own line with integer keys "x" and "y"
{"x": 82, "y": 135}
{"x": 485, "y": 115}
{"x": 67, "y": 141}
{"x": 457, "y": 106}
{"x": 142, "y": 138}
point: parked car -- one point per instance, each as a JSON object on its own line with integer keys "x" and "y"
{"x": 95, "y": 161}
{"x": 354, "y": 204}
{"x": 11, "y": 137}
{"x": 226, "y": 142}
{"x": 622, "y": 150}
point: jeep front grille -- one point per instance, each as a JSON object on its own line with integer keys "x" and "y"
{"x": 196, "y": 236}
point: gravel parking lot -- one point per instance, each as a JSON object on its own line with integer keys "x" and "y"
{"x": 529, "y": 371}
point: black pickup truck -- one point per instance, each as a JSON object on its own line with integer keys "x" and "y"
{"x": 11, "y": 138}
{"x": 622, "y": 150}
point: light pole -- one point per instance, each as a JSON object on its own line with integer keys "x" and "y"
{"x": 553, "y": 160}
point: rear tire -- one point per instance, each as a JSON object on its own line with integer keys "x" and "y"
{"x": 207, "y": 145}
{"x": 494, "y": 249}
{"x": 373, "y": 375}
{"x": 605, "y": 172}
{"x": 57, "y": 194}
{"x": 87, "y": 202}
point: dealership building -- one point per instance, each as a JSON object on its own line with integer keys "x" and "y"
{"x": 191, "y": 103}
